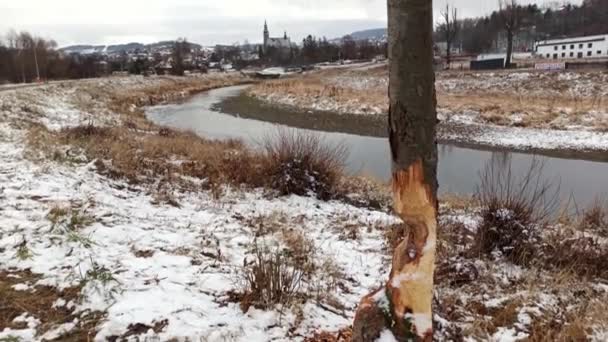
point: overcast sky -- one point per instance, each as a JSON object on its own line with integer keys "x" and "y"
{"x": 203, "y": 21}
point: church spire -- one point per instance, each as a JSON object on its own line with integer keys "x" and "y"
{"x": 266, "y": 36}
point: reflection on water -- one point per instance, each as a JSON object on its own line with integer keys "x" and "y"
{"x": 459, "y": 168}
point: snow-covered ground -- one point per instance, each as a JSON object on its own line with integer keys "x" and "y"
{"x": 461, "y": 128}
{"x": 194, "y": 254}
{"x": 177, "y": 282}
{"x": 158, "y": 271}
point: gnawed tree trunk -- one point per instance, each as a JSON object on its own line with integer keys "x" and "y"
{"x": 403, "y": 306}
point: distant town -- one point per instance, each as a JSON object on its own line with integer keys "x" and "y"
{"x": 556, "y": 33}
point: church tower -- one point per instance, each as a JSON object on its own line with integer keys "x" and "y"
{"x": 266, "y": 35}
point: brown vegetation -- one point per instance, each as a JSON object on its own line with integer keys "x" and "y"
{"x": 272, "y": 277}
{"x": 40, "y": 305}
{"x": 290, "y": 163}
{"x": 540, "y": 100}
{"x": 287, "y": 274}
{"x": 595, "y": 218}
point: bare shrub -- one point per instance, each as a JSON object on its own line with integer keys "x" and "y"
{"x": 302, "y": 164}
{"x": 513, "y": 210}
{"x": 574, "y": 322}
{"x": 584, "y": 256}
{"x": 272, "y": 277}
{"x": 322, "y": 276}
{"x": 456, "y": 272}
{"x": 300, "y": 249}
{"x": 86, "y": 131}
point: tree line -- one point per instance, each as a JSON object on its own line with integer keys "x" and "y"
{"x": 478, "y": 35}
{"x": 27, "y": 58}
{"x": 317, "y": 50}
{"x": 24, "y": 58}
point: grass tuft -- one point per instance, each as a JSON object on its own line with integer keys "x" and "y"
{"x": 595, "y": 218}
{"x": 272, "y": 278}
{"x": 513, "y": 211}
{"x": 303, "y": 164}
{"x": 23, "y": 252}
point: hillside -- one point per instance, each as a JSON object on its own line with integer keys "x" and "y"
{"x": 371, "y": 34}
{"x": 118, "y": 48}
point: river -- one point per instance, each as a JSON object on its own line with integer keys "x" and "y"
{"x": 579, "y": 181}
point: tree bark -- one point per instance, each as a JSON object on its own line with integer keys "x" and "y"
{"x": 509, "y": 48}
{"x": 403, "y": 305}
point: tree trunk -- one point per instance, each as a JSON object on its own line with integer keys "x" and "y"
{"x": 403, "y": 305}
{"x": 449, "y": 53}
{"x": 509, "y": 48}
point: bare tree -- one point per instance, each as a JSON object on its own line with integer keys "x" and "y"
{"x": 404, "y": 304}
{"x": 181, "y": 48}
{"x": 450, "y": 28}
{"x": 511, "y": 20}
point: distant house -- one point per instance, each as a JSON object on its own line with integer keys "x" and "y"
{"x": 442, "y": 48}
{"x": 573, "y": 48}
{"x": 164, "y": 67}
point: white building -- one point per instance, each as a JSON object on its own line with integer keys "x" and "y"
{"x": 573, "y": 48}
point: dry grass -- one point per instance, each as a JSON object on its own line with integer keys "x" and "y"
{"x": 13, "y": 303}
{"x": 344, "y": 335}
{"x": 290, "y": 163}
{"x": 272, "y": 278}
{"x": 148, "y": 157}
{"x": 539, "y": 102}
{"x": 584, "y": 256}
{"x": 316, "y": 87}
{"x": 575, "y": 323}
{"x": 553, "y": 111}
{"x": 595, "y": 218}
{"x": 364, "y": 191}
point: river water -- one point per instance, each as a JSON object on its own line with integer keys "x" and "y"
{"x": 459, "y": 168}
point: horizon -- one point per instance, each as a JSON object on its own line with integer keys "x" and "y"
{"x": 207, "y": 24}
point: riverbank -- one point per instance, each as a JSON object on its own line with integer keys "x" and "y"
{"x": 558, "y": 113}
{"x": 552, "y": 143}
{"x": 115, "y": 228}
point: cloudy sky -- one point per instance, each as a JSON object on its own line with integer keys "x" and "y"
{"x": 202, "y": 21}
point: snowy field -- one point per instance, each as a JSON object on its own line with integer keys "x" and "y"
{"x": 119, "y": 264}
{"x": 160, "y": 262}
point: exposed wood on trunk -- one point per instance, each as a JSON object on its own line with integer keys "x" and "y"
{"x": 404, "y": 304}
